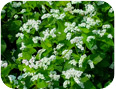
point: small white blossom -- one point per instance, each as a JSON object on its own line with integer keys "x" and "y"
{"x": 21, "y": 35}
{"x": 73, "y": 62}
{"x": 110, "y": 36}
{"x": 26, "y": 62}
{"x": 91, "y": 64}
{"x": 66, "y": 54}
{"x": 20, "y": 55}
{"x": 68, "y": 36}
{"x": 60, "y": 45}
{"x": 22, "y": 46}
{"x": 23, "y": 10}
{"x": 15, "y": 16}
{"x": 66, "y": 82}
{"x": 81, "y": 60}
{"x": 89, "y": 38}
{"x": 4, "y": 64}
{"x": 53, "y": 75}
{"x": 111, "y": 10}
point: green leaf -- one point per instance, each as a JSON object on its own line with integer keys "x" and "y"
{"x": 97, "y": 59}
{"x": 3, "y": 46}
{"x": 41, "y": 83}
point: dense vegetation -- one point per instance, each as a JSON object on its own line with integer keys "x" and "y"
{"x": 57, "y": 44}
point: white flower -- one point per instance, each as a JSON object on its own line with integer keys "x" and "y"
{"x": 53, "y": 75}
{"x": 89, "y": 38}
{"x": 11, "y": 78}
{"x": 23, "y": 46}
{"x": 23, "y": 10}
{"x": 26, "y": 62}
{"x": 4, "y": 64}
{"x": 72, "y": 73}
{"x": 78, "y": 41}
{"x": 15, "y": 16}
{"x": 75, "y": 2}
{"x": 110, "y": 36}
{"x": 60, "y": 45}
{"x": 52, "y": 32}
{"x": 35, "y": 39}
{"x": 30, "y": 24}
{"x": 66, "y": 54}
{"x": 100, "y": 2}
{"x": 91, "y": 64}
{"x": 43, "y": 9}
{"x": 46, "y": 16}
{"x": 21, "y": 35}
{"x": 20, "y": 55}
{"x": 73, "y": 62}
{"x": 39, "y": 75}
{"x": 81, "y": 60}
{"x": 66, "y": 82}
{"x": 106, "y": 26}
{"x": 16, "y": 4}
{"x": 40, "y": 52}
{"x": 68, "y": 36}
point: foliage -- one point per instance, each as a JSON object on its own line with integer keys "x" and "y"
{"x": 57, "y": 44}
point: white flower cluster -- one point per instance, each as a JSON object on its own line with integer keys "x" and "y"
{"x": 39, "y": 75}
{"x": 53, "y": 75}
{"x": 78, "y": 41}
{"x": 89, "y": 38}
{"x": 12, "y": 79}
{"x": 35, "y": 39}
{"x": 75, "y": 74}
{"x": 71, "y": 27}
{"x": 76, "y": 79}
{"x": 68, "y": 36}
{"x": 20, "y": 55}
{"x": 15, "y": 16}
{"x": 99, "y": 32}
{"x": 16, "y": 4}
{"x": 106, "y": 26}
{"x": 91, "y": 64}
{"x": 30, "y": 24}
{"x": 60, "y": 45}
{"x": 66, "y": 82}
{"x": 89, "y": 9}
{"x": 110, "y": 36}
{"x": 72, "y": 73}
{"x": 48, "y": 33}
{"x": 24, "y": 75}
{"x": 40, "y": 52}
{"x": 81, "y": 60}
{"x": 69, "y": 8}
{"x": 54, "y": 13}
{"x": 4, "y": 64}
{"x": 75, "y": 2}
{"x": 100, "y": 3}
{"x": 21, "y": 35}
{"x": 23, "y": 46}
{"x": 23, "y": 10}
{"x": 73, "y": 62}
{"x": 45, "y": 62}
{"x": 66, "y": 54}
{"x": 88, "y": 22}
{"x": 43, "y": 9}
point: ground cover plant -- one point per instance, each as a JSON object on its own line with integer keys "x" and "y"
{"x": 57, "y": 44}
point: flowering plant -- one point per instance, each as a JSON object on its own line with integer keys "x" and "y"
{"x": 57, "y": 44}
